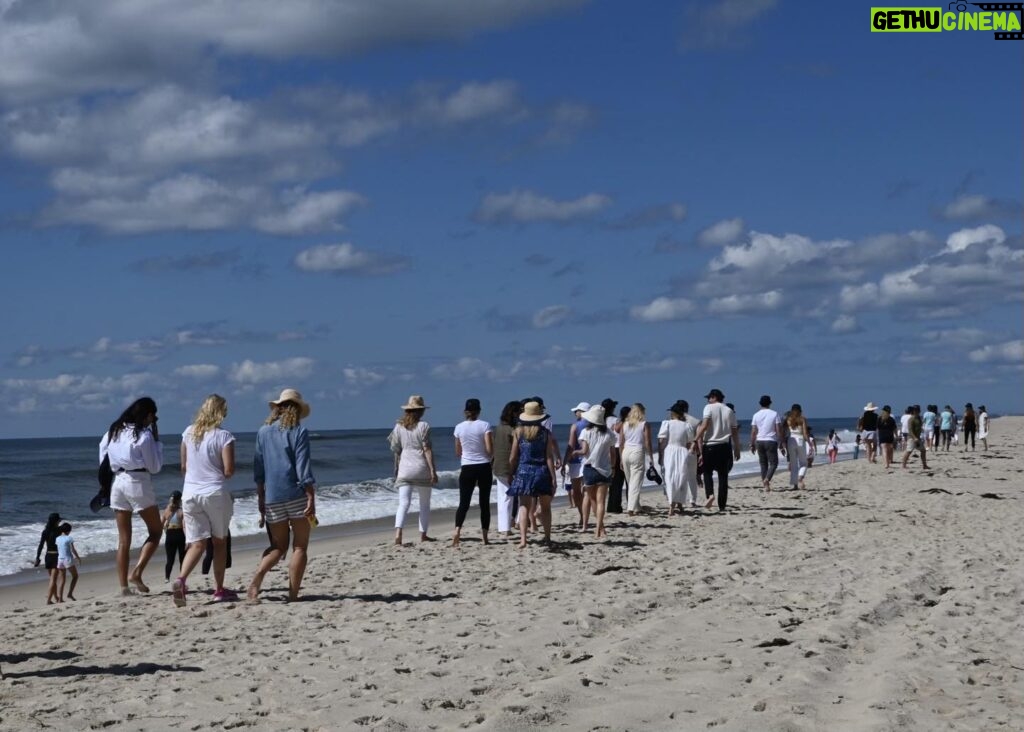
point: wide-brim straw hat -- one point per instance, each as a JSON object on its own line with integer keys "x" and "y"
{"x": 414, "y": 402}
{"x": 870, "y": 407}
{"x": 532, "y": 413}
{"x": 595, "y": 415}
{"x": 290, "y": 395}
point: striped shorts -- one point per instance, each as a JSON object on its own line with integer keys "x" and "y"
{"x": 278, "y": 512}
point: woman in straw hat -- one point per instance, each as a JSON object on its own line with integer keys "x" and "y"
{"x": 414, "y": 464}
{"x": 285, "y": 488}
{"x": 533, "y": 468}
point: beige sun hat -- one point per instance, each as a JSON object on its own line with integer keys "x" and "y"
{"x": 532, "y": 413}
{"x": 291, "y": 395}
{"x": 595, "y": 415}
{"x": 414, "y": 402}
{"x": 870, "y": 407}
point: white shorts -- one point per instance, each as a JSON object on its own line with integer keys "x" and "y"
{"x": 132, "y": 492}
{"x": 65, "y": 563}
{"x": 207, "y": 515}
{"x": 575, "y": 469}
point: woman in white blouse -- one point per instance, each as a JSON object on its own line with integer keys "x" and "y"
{"x": 133, "y": 446}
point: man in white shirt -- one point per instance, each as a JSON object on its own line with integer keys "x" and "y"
{"x": 765, "y": 428}
{"x": 718, "y": 439}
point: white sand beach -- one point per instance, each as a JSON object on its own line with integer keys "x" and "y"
{"x": 875, "y": 600}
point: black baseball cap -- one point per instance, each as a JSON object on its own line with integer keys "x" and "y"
{"x": 716, "y": 393}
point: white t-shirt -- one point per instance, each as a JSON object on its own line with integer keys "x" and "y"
{"x": 905, "y": 423}
{"x": 766, "y": 420}
{"x": 599, "y": 455}
{"x": 204, "y": 463}
{"x": 676, "y": 432}
{"x": 723, "y": 420}
{"x": 471, "y": 434}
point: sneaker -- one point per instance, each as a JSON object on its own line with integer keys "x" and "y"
{"x": 225, "y": 596}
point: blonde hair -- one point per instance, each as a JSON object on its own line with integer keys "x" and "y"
{"x": 410, "y": 418}
{"x": 528, "y": 432}
{"x": 637, "y": 414}
{"x": 287, "y": 413}
{"x": 211, "y": 413}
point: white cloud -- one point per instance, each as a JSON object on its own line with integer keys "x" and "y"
{"x": 722, "y": 233}
{"x": 473, "y": 101}
{"x": 664, "y": 308}
{"x": 310, "y": 213}
{"x": 766, "y": 253}
{"x": 346, "y": 258}
{"x": 640, "y": 367}
{"x": 75, "y": 391}
{"x": 845, "y": 324}
{"x": 741, "y": 304}
{"x": 711, "y": 365}
{"x": 956, "y": 337}
{"x": 960, "y": 240}
{"x": 720, "y": 23}
{"x": 525, "y": 207}
{"x": 1011, "y": 352}
{"x": 67, "y": 47}
{"x": 250, "y": 372}
{"x": 362, "y": 377}
{"x": 469, "y": 367}
{"x": 198, "y": 371}
{"x": 975, "y": 207}
{"x": 551, "y": 316}
{"x": 186, "y": 201}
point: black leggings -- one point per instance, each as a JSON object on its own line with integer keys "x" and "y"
{"x": 208, "y": 556}
{"x": 615, "y": 491}
{"x": 174, "y": 543}
{"x": 717, "y": 459}
{"x": 968, "y": 435}
{"x": 475, "y": 476}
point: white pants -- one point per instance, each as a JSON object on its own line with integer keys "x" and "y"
{"x": 690, "y": 486}
{"x": 633, "y": 467}
{"x": 405, "y": 498}
{"x": 504, "y": 501}
{"x": 797, "y": 452}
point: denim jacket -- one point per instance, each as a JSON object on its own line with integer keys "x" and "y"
{"x": 282, "y": 462}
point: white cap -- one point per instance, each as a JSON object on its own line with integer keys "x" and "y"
{"x": 581, "y": 407}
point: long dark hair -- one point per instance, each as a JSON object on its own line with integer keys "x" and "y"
{"x": 134, "y": 415}
{"x": 511, "y": 412}
{"x": 52, "y": 525}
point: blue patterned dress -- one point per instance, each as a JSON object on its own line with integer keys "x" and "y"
{"x": 532, "y": 477}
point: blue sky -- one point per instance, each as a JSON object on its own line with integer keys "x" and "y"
{"x": 365, "y": 200}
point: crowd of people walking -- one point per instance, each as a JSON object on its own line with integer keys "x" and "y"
{"x": 608, "y": 456}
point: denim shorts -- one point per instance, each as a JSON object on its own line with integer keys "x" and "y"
{"x": 592, "y": 476}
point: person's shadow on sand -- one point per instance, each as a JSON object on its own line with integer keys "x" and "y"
{"x": 138, "y": 669}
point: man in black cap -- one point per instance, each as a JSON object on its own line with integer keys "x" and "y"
{"x": 618, "y": 475}
{"x": 718, "y": 439}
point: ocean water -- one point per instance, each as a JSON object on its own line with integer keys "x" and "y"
{"x": 353, "y": 469}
